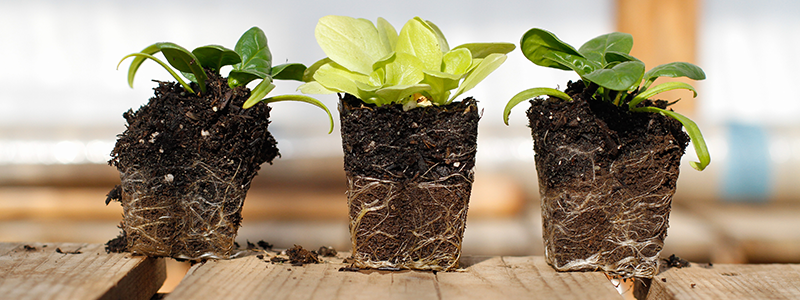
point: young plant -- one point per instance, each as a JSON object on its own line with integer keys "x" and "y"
{"x": 414, "y": 68}
{"x": 250, "y": 59}
{"x": 612, "y": 75}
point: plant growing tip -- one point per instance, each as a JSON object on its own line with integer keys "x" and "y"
{"x": 251, "y": 60}
{"x": 605, "y": 63}
{"x": 381, "y": 66}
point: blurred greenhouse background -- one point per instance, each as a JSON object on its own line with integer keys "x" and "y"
{"x": 62, "y": 101}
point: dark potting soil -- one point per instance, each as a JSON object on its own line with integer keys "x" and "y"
{"x": 299, "y": 256}
{"x": 607, "y": 176}
{"x": 183, "y": 144}
{"x": 409, "y": 177}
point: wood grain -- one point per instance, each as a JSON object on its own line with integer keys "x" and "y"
{"x": 728, "y": 281}
{"x": 482, "y": 278}
{"x": 75, "y": 271}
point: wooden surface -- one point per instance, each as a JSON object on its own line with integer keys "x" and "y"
{"x": 75, "y": 271}
{"x": 727, "y": 281}
{"x": 482, "y": 278}
{"x": 663, "y": 32}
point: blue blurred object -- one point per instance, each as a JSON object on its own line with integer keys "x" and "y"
{"x": 747, "y": 177}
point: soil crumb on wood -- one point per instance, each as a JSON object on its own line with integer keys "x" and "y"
{"x": 299, "y": 256}
{"x": 327, "y": 251}
{"x": 118, "y": 244}
{"x": 675, "y": 261}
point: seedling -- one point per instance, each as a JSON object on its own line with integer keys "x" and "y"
{"x": 414, "y": 68}
{"x": 611, "y": 74}
{"x": 250, "y": 59}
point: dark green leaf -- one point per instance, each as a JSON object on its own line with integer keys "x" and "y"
{"x": 674, "y": 69}
{"x": 254, "y": 52}
{"x": 184, "y": 61}
{"x": 596, "y": 48}
{"x": 621, "y": 77}
{"x": 306, "y": 99}
{"x": 694, "y": 134}
{"x": 614, "y": 56}
{"x": 537, "y": 43}
{"x": 658, "y": 89}
{"x": 243, "y": 77}
{"x": 530, "y": 94}
{"x": 215, "y": 56}
{"x": 576, "y": 63}
{"x": 138, "y": 60}
{"x": 143, "y": 56}
{"x": 292, "y": 71}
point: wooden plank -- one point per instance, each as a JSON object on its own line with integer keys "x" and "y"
{"x": 75, "y": 271}
{"x": 663, "y": 32}
{"x": 727, "y": 281}
{"x": 483, "y": 278}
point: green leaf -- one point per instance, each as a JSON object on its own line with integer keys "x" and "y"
{"x": 443, "y": 45}
{"x": 621, "y": 77}
{"x": 144, "y": 56}
{"x": 138, "y": 60}
{"x": 184, "y": 61}
{"x": 618, "y": 57}
{"x": 487, "y": 66}
{"x": 256, "y": 58}
{"x": 537, "y": 43}
{"x": 596, "y": 48}
{"x": 308, "y": 74}
{"x": 337, "y": 78}
{"x": 259, "y": 92}
{"x": 314, "y": 87}
{"x": 658, "y": 89}
{"x": 404, "y": 69}
{"x": 417, "y": 39}
{"x": 481, "y": 50}
{"x": 674, "y": 69}
{"x": 354, "y": 44}
{"x": 387, "y": 34}
{"x": 694, "y": 134}
{"x": 306, "y": 99}
{"x": 575, "y": 63}
{"x": 291, "y": 71}
{"x": 214, "y": 57}
{"x": 530, "y": 94}
{"x": 457, "y": 61}
{"x": 243, "y": 77}
{"x": 397, "y": 93}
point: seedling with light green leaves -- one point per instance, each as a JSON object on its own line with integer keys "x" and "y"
{"x": 611, "y": 74}
{"x": 414, "y": 68}
{"x": 250, "y": 60}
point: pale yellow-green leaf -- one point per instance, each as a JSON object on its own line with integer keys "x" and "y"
{"x": 486, "y": 67}
{"x": 443, "y": 45}
{"x": 404, "y": 70}
{"x": 457, "y": 61}
{"x": 394, "y": 94}
{"x": 352, "y": 43}
{"x": 339, "y": 79}
{"x": 387, "y": 34}
{"x": 314, "y": 87}
{"x": 417, "y": 39}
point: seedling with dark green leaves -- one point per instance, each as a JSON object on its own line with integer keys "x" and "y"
{"x": 251, "y": 60}
{"x": 608, "y": 70}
